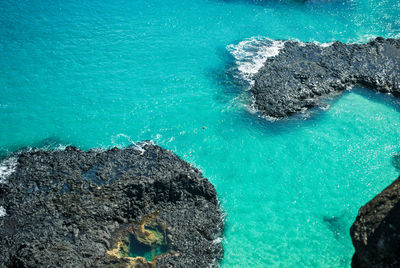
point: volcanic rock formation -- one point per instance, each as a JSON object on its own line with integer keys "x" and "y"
{"x": 108, "y": 208}
{"x": 304, "y": 74}
{"x": 376, "y": 231}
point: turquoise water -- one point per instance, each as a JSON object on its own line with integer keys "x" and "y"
{"x": 107, "y": 73}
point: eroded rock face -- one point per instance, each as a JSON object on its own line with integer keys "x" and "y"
{"x": 304, "y": 74}
{"x": 74, "y": 208}
{"x": 376, "y": 231}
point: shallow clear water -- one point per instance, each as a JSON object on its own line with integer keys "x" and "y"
{"x": 112, "y": 72}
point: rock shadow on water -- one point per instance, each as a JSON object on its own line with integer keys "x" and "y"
{"x": 337, "y": 224}
{"x": 226, "y": 77}
{"x": 377, "y": 97}
{"x": 396, "y": 161}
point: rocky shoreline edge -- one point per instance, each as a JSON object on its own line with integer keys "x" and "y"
{"x": 376, "y": 231}
{"x": 304, "y": 75}
{"x": 133, "y": 207}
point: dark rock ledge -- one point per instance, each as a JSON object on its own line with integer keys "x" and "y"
{"x": 376, "y": 231}
{"x": 114, "y": 208}
{"x": 304, "y": 74}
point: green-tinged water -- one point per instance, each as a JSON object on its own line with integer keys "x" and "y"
{"x": 109, "y": 73}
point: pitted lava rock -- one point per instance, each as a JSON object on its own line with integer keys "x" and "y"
{"x": 64, "y": 207}
{"x": 376, "y": 231}
{"x": 304, "y": 74}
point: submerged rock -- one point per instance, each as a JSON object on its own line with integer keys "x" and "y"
{"x": 304, "y": 74}
{"x": 396, "y": 161}
{"x": 376, "y": 231}
{"x": 115, "y": 208}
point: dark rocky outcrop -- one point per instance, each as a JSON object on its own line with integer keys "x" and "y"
{"x": 97, "y": 208}
{"x": 376, "y": 231}
{"x": 304, "y": 74}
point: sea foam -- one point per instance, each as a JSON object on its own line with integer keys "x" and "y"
{"x": 7, "y": 167}
{"x": 251, "y": 54}
{"x": 2, "y": 211}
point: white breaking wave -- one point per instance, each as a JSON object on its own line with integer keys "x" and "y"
{"x": 217, "y": 240}
{"x": 2, "y": 211}
{"x": 251, "y": 54}
{"x": 122, "y": 140}
{"x": 140, "y": 146}
{"x": 60, "y": 147}
{"x": 7, "y": 167}
{"x": 323, "y": 44}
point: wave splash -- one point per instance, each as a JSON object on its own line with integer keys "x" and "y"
{"x": 251, "y": 54}
{"x": 7, "y": 167}
{"x": 122, "y": 140}
{"x": 2, "y": 211}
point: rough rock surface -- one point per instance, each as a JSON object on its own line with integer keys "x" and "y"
{"x": 376, "y": 231}
{"x": 64, "y": 208}
{"x": 303, "y": 74}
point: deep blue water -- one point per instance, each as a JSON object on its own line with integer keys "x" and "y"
{"x": 109, "y": 73}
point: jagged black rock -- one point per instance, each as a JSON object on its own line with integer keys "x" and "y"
{"x": 376, "y": 231}
{"x": 64, "y": 208}
{"x": 304, "y": 74}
